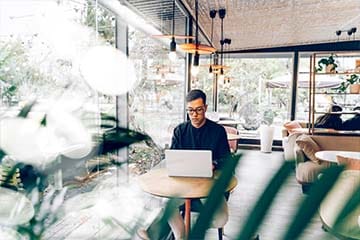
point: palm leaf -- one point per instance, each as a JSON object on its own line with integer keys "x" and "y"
{"x": 26, "y": 109}
{"x": 349, "y": 207}
{"x": 117, "y": 138}
{"x": 263, "y": 204}
{"x": 311, "y": 203}
{"x": 2, "y": 155}
{"x": 214, "y": 199}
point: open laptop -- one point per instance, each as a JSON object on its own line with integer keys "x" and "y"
{"x": 188, "y": 163}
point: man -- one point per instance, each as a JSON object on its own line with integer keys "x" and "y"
{"x": 354, "y": 122}
{"x": 202, "y": 134}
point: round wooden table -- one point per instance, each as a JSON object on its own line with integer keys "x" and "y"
{"x": 158, "y": 183}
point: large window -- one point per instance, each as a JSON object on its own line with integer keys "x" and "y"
{"x": 157, "y": 103}
{"x": 255, "y": 91}
{"x": 42, "y": 43}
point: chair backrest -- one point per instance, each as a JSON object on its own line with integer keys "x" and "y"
{"x": 232, "y": 143}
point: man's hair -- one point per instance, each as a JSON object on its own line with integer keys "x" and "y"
{"x": 195, "y": 94}
{"x": 335, "y": 108}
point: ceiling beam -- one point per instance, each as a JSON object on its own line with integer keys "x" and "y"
{"x": 318, "y": 47}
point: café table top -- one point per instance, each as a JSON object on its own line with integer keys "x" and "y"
{"x": 157, "y": 182}
{"x": 330, "y": 155}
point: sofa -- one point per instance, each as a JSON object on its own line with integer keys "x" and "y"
{"x": 290, "y": 131}
{"x": 307, "y": 169}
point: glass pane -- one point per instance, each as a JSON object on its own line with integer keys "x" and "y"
{"x": 302, "y": 98}
{"x": 256, "y": 91}
{"x": 157, "y": 104}
{"x": 42, "y": 46}
{"x": 204, "y": 81}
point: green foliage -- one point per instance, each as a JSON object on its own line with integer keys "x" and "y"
{"x": 115, "y": 137}
{"x": 326, "y": 62}
{"x": 9, "y": 93}
{"x": 343, "y": 86}
{"x": 352, "y": 79}
{"x": 26, "y": 109}
{"x": 35, "y": 180}
{"x": 105, "y": 21}
{"x": 352, "y": 204}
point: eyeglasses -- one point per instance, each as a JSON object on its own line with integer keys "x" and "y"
{"x": 198, "y": 110}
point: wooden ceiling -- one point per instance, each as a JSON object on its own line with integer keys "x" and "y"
{"x": 254, "y": 24}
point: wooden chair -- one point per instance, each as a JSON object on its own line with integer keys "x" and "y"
{"x": 196, "y": 206}
{"x": 233, "y": 144}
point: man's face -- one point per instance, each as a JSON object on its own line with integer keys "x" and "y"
{"x": 196, "y": 110}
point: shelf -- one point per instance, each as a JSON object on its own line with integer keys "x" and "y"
{"x": 338, "y": 73}
{"x": 342, "y": 93}
{"x": 321, "y": 98}
{"x": 346, "y": 112}
{"x": 336, "y": 132}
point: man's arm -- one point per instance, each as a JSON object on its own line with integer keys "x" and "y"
{"x": 222, "y": 149}
{"x": 176, "y": 139}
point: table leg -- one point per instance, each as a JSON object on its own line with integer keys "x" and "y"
{"x": 187, "y": 217}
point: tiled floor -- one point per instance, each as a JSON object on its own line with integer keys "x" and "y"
{"x": 253, "y": 173}
{"x": 121, "y": 198}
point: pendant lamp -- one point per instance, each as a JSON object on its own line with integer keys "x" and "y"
{"x": 222, "y": 13}
{"x": 197, "y": 48}
{"x": 172, "y": 36}
{"x": 212, "y": 16}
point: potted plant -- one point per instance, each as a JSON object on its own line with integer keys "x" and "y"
{"x": 353, "y": 81}
{"x": 329, "y": 63}
{"x": 267, "y": 131}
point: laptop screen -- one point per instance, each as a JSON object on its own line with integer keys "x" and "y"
{"x": 188, "y": 163}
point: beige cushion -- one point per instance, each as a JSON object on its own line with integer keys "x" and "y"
{"x": 309, "y": 146}
{"x": 292, "y": 125}
{"x": 307, "y": 172}
{"x": 350, "y": 163}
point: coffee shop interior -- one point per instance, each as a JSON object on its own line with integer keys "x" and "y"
{"x": 92, "y": 90}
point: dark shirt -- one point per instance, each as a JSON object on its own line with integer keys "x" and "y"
{"x": 329, "y": 121}
{"x": 352, "y": 123}
{"x": 211, "y": 136}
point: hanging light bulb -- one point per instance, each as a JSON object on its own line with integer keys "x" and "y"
{"x": 222, "y": 76}
{"x": 211, "y": 72}
{"x": 172, "y": 53}
{"x": 195, "y": 68}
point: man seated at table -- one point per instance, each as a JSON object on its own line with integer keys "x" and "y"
{"x": 201, "y": 133}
